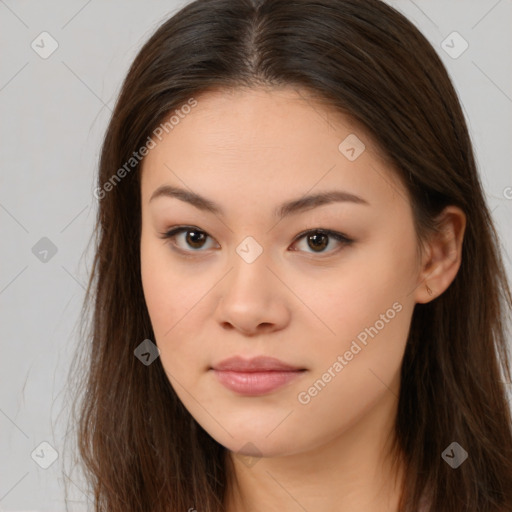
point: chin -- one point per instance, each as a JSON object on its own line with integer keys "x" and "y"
{"x": 248, "y": 443}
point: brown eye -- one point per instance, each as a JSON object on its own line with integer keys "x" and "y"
{"x": 318, "y": 239}
{"x": 193, "y": 241}
{"x": 195, "y": 238}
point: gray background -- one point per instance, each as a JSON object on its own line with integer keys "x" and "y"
{"x": 53, "y": 115}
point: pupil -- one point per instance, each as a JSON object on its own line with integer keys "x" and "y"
{"x": 315, "y": 240}
{"x": 192, "y": 235}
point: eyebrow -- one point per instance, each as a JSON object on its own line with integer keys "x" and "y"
{"x": 288, "y": 208}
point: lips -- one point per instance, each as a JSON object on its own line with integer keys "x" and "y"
{"x": 256, "y": 364}
{"x": 256, "y": 376}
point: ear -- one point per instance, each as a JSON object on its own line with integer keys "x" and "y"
{"x": 442, "y": 255}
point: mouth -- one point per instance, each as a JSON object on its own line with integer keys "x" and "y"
{"x": 256, "y": 376}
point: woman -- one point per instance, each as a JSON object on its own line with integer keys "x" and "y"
{"x": 299, "y": 300}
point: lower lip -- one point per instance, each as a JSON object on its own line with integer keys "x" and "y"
{"x": 255, "y": 383}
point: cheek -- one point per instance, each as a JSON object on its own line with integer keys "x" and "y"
{"x": 163, "y": 286}
{"x": 155, "y": 282}
{"x": 173, "y": 295}
{"x": 366, "y": 284}
{"x": 365, "y": 310}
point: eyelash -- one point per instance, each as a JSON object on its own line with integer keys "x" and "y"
{"x": 174, "y": 232}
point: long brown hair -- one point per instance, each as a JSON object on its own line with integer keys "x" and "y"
{"x": 140, "y": 448}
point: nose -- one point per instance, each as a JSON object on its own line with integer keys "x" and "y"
{"x": 253, "y": 298}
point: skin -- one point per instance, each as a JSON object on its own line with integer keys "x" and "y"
{"x": 249, "y": 150}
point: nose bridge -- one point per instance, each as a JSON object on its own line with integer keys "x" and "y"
{"x": 250, "y": 301}
{"x": 250, "y": 262}
{"x": 252, "y": 298}
{"x": 249, "y": 296}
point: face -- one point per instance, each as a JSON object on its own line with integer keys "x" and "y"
{"x": 255, "y": 268}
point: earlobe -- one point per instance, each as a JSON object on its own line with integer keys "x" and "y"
{"x": 443, "y": 255}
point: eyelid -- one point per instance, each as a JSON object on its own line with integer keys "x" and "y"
{"x": 338, "y": 236}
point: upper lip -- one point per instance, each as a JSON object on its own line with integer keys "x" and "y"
{"x": 255, "y": 364}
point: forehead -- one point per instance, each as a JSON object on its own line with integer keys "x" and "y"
{"x": 256, "y": 119}
{"x": 264, "y": 143}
